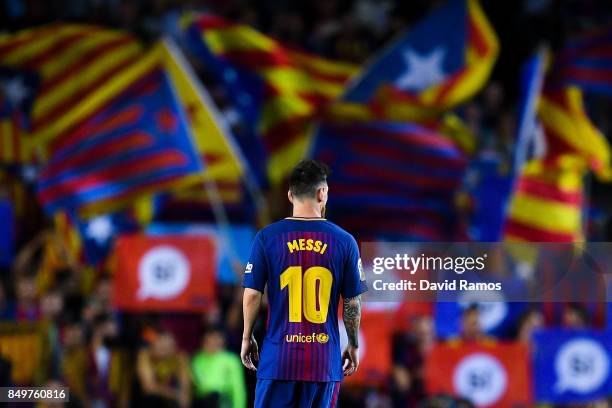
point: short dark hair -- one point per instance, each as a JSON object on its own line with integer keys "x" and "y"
{"x": 306, "y": 178}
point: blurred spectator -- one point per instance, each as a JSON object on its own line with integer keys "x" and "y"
{"x": 529, "y": 322}
{"x": 163, "y": 373}
{"x": 51, "y": 306}
{"x": 218, "y": 374}
{"x": 108, "y": 368}
{"x": 75, "y": 359}
{"x": 574, "y": 316}
{"x": 26, "y": 294}
{"x": 471, "y": 330}
{"x": 410, "y": 349}
{"x": 447, "y": 402}
{"x": 5, "y": 373}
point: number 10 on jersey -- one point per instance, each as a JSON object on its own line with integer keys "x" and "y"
{"x": 303, "y": 296}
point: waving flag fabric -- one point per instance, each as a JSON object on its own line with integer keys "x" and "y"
{"x": 547, "y": 202}
{"x": 556, "y": 146}
{"x": 402, "y": 176}
{"x": 547, "y": 205}
{"x": 71, "y": 63}
{"x": 278, "y": 89}
{"x": 440, "y": 62}
{"x": 13, "y": 148}
{"x": 137, "y": 145}
{"x": 225, "y": 165}
{"x": 587, "y": 63}
{"x": 17, "y": 92}
{"x": 568, "y": 129}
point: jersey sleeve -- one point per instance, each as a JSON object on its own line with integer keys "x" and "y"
{"x": 256, "y": 270}
{"x": 353, "y": 281}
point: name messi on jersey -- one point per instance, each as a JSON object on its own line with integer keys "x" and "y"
{"x": 307, "y": 245}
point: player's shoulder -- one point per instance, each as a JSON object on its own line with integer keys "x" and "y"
{"x": 341, "y": 232}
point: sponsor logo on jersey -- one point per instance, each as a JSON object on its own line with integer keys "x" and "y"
{"x": 321, "y": 338}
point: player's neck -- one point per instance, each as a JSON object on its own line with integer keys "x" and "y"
{"x": 306, "y": 210}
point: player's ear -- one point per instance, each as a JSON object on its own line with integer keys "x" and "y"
{"x": 322, "y": 194}
{"x": 290, "y": 196}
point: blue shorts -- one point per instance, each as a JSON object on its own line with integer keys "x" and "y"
{"x": 302, "y": 394}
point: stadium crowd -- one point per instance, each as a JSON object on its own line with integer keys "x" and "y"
{"x": 109, "y": 358}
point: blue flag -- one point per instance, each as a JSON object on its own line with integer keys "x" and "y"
{"x": 530, "y": 139}
{"x": 99, "y": 233}
{"x": 572, "y": 366}
{"x": 7, "y": 232}
{"x": 587, "y": 63}
{"x": 491, "y": 181}
{"x": 391, "y": 181}
{"x": 139, "y": 144}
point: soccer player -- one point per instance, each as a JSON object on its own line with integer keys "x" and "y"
{"x": 307, "y": 263}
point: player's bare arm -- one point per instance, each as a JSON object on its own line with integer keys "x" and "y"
{"x": 249, "y": 352}
{"x": 351, "y": 315}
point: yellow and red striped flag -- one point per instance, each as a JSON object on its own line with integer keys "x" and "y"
{"x": 14, "y": 149}
{"x": 71, "y": 62}
{"x": 547, "y": 205}
{"x": 547, "y": 202}
{"x": 280, "y": 88}
{"x": 568, "y": 129}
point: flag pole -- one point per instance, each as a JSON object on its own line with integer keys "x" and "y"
{"x": 250, "y": 183}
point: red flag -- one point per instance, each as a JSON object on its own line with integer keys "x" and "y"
{"x": 374, "y": 347}
{"x": 488, "y": 374}
{"x": 165, "y": 273}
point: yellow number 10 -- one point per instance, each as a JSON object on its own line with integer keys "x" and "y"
{"x": 292, "y": 277}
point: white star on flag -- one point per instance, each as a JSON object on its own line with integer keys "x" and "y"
{"x": 100, "y": 229}
{"x": 15, "y": 91}
{"x": 422, "y": 71}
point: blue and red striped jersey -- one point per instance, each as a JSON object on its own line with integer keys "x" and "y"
{"x": 306, "y": 265}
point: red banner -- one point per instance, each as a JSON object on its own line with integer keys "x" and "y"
{"x": 489, "y": 375}
{"x": 164, "y": 273}
{"x": 375, "y": 334}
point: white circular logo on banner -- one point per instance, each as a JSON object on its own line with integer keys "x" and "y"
{"x": 582, "y": 366}
{"x": 481, "y": 378}
{"x": 493, "y": 311}
{"x": 344, "y": 340}
{"x": 163, "y": 272}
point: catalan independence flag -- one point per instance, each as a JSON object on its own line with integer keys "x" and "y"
{"x": 138, "y": 144}
{"x": 17, "y": 92}
{"x": 71, "y": 63}
{"x": 586, "y": 62}
{"x": 278, "y": 89}
{"x": 548, "y": 198}
{"x": 392, "y": 181}
{"x": 440, "y": 62}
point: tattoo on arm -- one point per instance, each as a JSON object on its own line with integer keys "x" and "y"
{"x": 351, "y": 315}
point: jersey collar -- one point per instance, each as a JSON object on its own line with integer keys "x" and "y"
{"x": 306, "y": 218}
